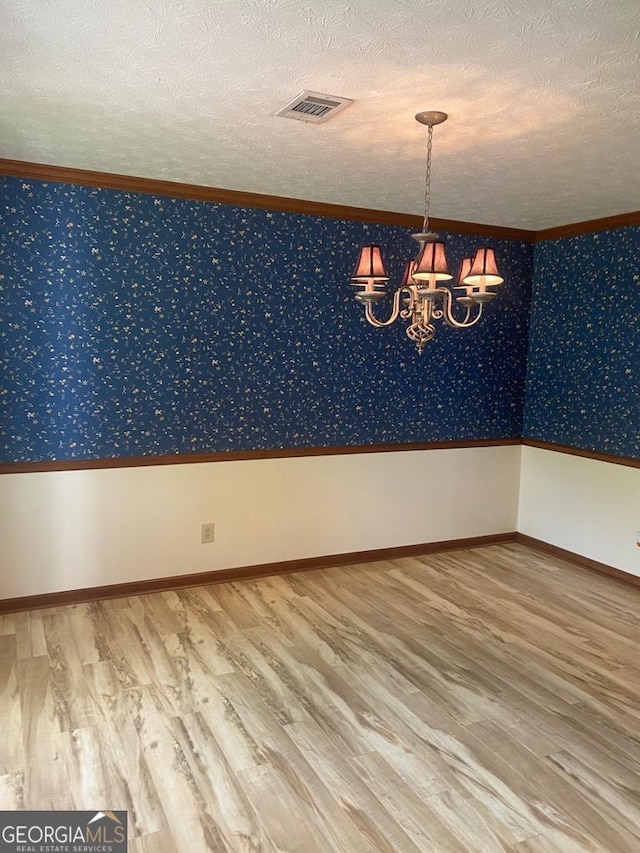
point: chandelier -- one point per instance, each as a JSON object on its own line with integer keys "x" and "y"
{"x": 421, "y": 298}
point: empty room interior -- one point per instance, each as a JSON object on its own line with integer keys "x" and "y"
{"x": 320, "y": 425}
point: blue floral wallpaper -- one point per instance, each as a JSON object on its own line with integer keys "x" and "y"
{"x": 139, "y": 325}
{"x": 583, "y": 384}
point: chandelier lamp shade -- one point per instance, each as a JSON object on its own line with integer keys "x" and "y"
{"x": 423, "y": 296}
{"x": 370, "y": 267}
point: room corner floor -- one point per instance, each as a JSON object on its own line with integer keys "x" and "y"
{"x": 478, "y": 700}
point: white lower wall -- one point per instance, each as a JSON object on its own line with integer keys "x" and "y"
{"x": 586, "y": 506}
{"x": 75, "y": 529}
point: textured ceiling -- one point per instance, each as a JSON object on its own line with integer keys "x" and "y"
{"x": 544, "y": 124}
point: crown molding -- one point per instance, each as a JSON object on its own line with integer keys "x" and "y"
{"x": 591, "y": 226}
{"x": 107, "y": 180}
{"x": 216, "y": 195}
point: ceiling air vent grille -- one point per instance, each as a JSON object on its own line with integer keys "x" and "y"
{"x": 314, "y": 107}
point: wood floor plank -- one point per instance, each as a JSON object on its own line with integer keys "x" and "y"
{"x": 472, "y": 830}
{"x": 477, "y": 700}
{"x": 8, "y": 624}
{"x": 189, "y": 819}
{"x": 575, "y": 668}
{"x": 364, "y": 809}
{"x": 12, "y": 792}
{"x": 30, "y": 638}
{"x": 285, "y": 822}
{"x": 128, "y": 779}
{"x": 467, "y": 766}
{"x": 407, "y": 807}
{"x": 618, "y": 800}
{"x": 11, "y": 756}
{"x": 274, "y": 685}
{"x": 565, "y": 819}
{"x": 219, "y": 787}
{"x": 289, "y": 762}
{"x": 89, "y": 775}
{"x": 562, "y": 814}
{"x": 73, "y": 708}
{"x": 159, "y": 842}
{"x": 238, "y": 746}
{"x": 42, "y": 740}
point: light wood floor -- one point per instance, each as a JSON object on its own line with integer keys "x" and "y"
{"x": 481, "y": 700}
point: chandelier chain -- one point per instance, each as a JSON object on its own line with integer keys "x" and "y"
{"x": 427, "y": 186}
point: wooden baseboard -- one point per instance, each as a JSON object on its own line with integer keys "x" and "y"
{"x": 143, "y": 587}
{"x": 576, "y": 559}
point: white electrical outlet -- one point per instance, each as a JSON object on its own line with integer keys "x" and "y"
{"x": 638, "y": 538}
{"x": 207, "y": 533}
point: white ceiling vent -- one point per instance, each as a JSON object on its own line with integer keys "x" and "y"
{"x": 314, "y": 107}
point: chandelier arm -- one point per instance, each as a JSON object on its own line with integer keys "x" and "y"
{"x": 395, "y": 311}
{"x": 449, "y": 319}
